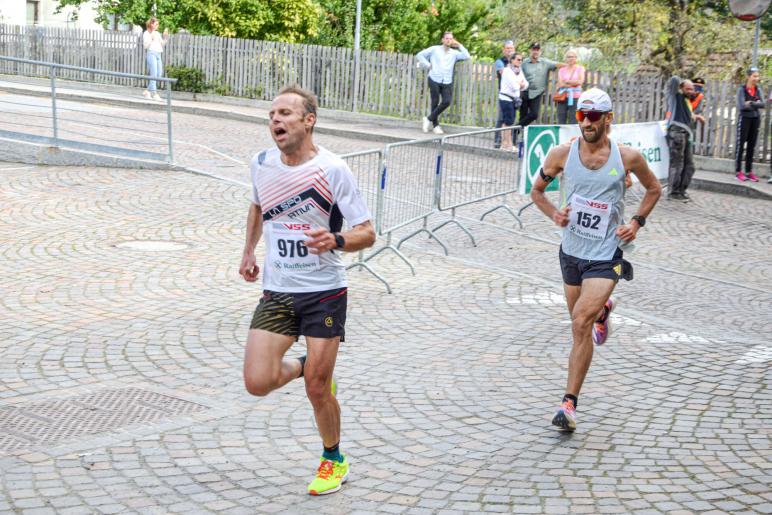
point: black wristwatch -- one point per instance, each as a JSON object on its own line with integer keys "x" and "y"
{"x": 640, "y": 219}
{"x": 340, "y": 242}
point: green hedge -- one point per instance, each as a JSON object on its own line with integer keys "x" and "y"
{"x": 188, "y": 79}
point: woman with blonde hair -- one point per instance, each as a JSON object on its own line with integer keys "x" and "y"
{"x": 153, "y": 44}
{"x": 570, "y": 80}
{"x": 513, "y": 82}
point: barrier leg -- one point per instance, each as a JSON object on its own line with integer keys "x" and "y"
{"x": 508, "y": 209}
{"x": 461, "y": 226}
{"x": 520, "y": 211}
{"x": 361, "y": 264}
{"x": 393, "y": 249}
{"x": 428, "y": 232}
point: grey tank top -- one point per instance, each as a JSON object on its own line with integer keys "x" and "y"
{"x": 597, "y": 200}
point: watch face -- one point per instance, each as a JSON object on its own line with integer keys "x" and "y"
{"x": 339, "y": 241}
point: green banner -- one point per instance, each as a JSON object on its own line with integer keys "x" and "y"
{"x": 538, "y": 141}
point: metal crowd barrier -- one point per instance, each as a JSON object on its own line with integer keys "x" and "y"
{"x": 70, "y": 124}
{"x": 472, "y": 170}
{"x": 366, "y": 167}
{"x": 409, "y": 190}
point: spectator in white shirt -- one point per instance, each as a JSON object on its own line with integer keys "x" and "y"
{"x": 154, "y": 44}
{"x": 441, "y": 60}
{"x": 512, "y": 83}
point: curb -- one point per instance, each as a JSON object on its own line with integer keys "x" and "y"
{"x": 740, "y": 190}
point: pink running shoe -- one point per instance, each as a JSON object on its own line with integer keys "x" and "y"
{"x": 741, "y": 177}
{"x": 602, "y": 327}
{"x": 752, "y": 177}
{"x": 565, "y": 416}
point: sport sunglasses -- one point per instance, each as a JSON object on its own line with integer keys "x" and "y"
{"x": 593, "y": 116}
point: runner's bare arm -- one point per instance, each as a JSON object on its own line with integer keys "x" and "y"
{"x": 553, "y": 165}
{"x": 634, "y": 161}
{"x": 248, "y": 268}
{"x": 361, "y": 236}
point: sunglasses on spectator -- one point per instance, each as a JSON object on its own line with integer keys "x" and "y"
{"x": 593, "y": 116}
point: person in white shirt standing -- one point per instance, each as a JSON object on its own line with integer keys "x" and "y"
{"x": 154, "y": 43}
{"x": 441, "y": 60}
{"x": 512, "y": 83}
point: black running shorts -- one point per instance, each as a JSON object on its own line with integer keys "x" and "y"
{"x": 575, "y": 270}
{"x": 320, "y": 314}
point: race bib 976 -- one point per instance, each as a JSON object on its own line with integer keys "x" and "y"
{"x": 288, "y": 251}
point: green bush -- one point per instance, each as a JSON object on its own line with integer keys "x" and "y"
{"x": 188, "y": 78}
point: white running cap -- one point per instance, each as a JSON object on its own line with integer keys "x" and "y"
{"x": 594, "y": 99}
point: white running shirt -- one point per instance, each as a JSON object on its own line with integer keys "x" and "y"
{"x": 318, "y": 193}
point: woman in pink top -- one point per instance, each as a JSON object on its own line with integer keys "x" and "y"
{"x": 570, "y": 80}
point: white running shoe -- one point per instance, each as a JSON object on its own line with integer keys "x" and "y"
{"x": 426, "y": 124}
{"x": 146, "y": 94}
{"x": 438, "y": 130}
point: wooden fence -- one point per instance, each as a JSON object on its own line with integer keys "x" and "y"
{"x": 390, "y": 83}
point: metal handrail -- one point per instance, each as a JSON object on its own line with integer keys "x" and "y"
{"x": 87, "y": 70}
{"x": 53, "y": 67}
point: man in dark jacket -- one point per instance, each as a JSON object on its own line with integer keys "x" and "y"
{"x": 681, "y": 123}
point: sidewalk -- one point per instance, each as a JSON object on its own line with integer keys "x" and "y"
{"x": 361, "y": 126}
{"x": 122, "y": 342}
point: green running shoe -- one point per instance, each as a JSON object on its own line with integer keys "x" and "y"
{"x": 329, "y": 477}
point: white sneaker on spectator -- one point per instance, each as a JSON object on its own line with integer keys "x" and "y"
{"x": 426, "y": 124}
{"x": 156, "y": 96}
{"x": 146, "y": 94}
{"x": 438, "y": 130}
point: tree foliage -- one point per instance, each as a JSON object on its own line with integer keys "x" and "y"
{"x": 399, "y": 25}
{"x": 276, "y": 20}
{"x": 688, "y": 36}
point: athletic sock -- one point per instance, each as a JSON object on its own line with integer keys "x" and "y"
{"x": 302, "y": 360}
{"x": 333, "y": 453}
{"x": 572, "y": 398}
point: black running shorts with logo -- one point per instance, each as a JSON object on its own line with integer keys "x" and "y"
{"x": 320, "y": 314}
{"x": 575, "y": 270}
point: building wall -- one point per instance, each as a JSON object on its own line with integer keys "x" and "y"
{"x": 14, "y": 12}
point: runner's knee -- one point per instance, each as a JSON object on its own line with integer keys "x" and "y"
{"x": 259, "y": 385}
{"x": 583, "y": 318}
{"x": 318, "y": 389}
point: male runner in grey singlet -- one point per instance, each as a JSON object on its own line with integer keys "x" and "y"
{"x": 592, "y": 214}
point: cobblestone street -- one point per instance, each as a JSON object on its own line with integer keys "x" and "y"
{"x": 124, "y": 320}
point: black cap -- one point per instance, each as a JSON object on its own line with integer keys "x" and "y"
{"x": 698, "y": 80}
{"x": 535, "y": 45}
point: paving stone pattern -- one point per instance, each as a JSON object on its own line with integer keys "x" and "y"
{"x": 447, "y": 385}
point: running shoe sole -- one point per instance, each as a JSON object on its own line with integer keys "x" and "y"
{"x": 332, "y": 490}
{"x": 560, "y": 420}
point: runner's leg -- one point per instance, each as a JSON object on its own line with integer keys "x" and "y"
{"x": 594, "y": 294}
{"x": 265, "y": 368}
{"x": 320, "y": 364}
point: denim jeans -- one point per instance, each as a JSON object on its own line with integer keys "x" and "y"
{"x": 437, "y": 91}
{"x": 155, "y": 69}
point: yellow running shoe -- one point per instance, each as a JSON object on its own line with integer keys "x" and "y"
{"x": 329, "y": 477}
{"x": 334, "y": 387}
